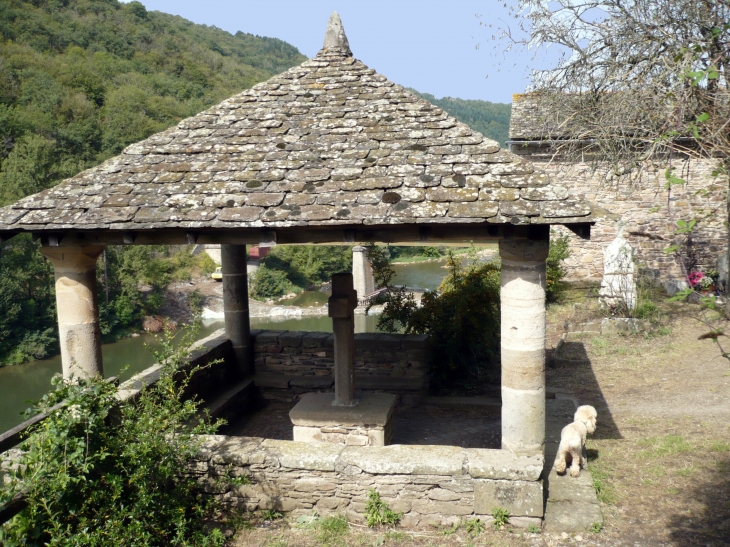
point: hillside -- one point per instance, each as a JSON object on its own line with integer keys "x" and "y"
{"x": 490, "y": 119}
{"x": 82, "y": 79}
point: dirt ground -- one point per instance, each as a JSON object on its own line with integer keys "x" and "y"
{"x": 660, "y": 457}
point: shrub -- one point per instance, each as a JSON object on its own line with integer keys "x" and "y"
{"x": 269, "y": 283}
{"x": 378, "y": 513}
{"x": 559, "y": 251}
{"x": 105, "y": 472}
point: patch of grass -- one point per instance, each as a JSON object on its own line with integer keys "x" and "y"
{"x": 271, "y": 514}
{"x": 331, "y": 529}
{"x": 723, "y": 466}
{"x": 450, "y": 531}
{"x": 687, "y": 470}
{"x": 664, "y": 446}
{"x": 533, "y": 529}
{"x": 396, "y": 536}
{"x": 501, "y": 517}
{"x": 277, "y": 541}
{"x": 720, "y": 447}
{"x": 674, "y": 491}
{"x": 474, "y": 526}
{"x": 600, "y": 474}
{"x": 595, "y": 528}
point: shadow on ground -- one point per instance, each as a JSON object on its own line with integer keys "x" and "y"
{"x": 709, "y": 524}
{"x": 572, "y": 372}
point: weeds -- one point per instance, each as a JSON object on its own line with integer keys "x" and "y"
{"x": 474, "y": 527}
{"x": 450, "y": 531}
{"x": 595, "y": 528}
{"x": 501, "y": 517}
{"x": 330, "y": 529}
{"x": 270, "y": 515}
{"x": 720, "y": 447}
{"x": 533, "y": 529}
{"x": 600, "y": 476}
{"x": 378, "y": 513}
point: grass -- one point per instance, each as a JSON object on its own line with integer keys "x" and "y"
{"x": 601, "y": 473}
{"x": 330, "y": 529}
{"x": 667, "y": 445}
{"x": 720, "y": 447}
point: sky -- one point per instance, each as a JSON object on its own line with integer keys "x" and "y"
{"x": 439, "y": 47}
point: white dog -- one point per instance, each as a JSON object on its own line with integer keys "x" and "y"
{"x": 573, "y": 440}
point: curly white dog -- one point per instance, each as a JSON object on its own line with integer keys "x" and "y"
{"x": 573, "y": 440}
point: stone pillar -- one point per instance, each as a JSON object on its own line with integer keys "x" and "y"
{"x": 342, "y": 305}
{"x": 78, "y": 309}
{"x": 362, "y": 272}
{"x": 235, "y": 306}
{"x": 523, "y": 345}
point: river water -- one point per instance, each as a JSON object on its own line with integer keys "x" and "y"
{"x": 21, "y": 383}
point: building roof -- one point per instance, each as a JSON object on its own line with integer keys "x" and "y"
{"x": 327, "y": 143}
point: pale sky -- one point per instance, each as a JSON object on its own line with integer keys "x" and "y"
{"x": 436, "y": 47}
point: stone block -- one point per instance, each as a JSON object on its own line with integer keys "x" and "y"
{"x": 316, "y": 410}
{"x": 269, "y": 379}
{"x": 367, "y": 340}
{"x": 314, "y": 339}
{"x": 414, "y": 341}
{"x": 238, "y": 451}
{"x": 291, "y": 339}
{"x": 427, "y": 507}
{"x": 268, "y": 337}
{"x": 566, "y": 516}
{"x": 308, "y": 456}
{"x": 439, "y": 494}
{"x": 519, "y": 498}
{"x": 404, "y": 459}
{"x": 502, "y": 464}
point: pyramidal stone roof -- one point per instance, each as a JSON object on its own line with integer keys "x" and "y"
{"x": 327, "y": 143}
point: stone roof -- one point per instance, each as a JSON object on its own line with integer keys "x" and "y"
{"x": 532, "y": 119}
{"x": 329, "y": 142}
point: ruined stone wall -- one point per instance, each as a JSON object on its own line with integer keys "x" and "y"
{"x": 304, "y": 361}
{"x": 428, "y": 484}
{"x": 649, "y": 212}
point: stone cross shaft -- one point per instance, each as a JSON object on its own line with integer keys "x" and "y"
{"x": 235, "y": 307}
{"x": 342, "y": 305}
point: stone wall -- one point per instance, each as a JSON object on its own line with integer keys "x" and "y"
{"x": 429, "y": 484}
{"x": 649, "y": 212}
{"x": 300, "y": 362}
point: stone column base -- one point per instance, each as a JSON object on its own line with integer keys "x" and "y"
{"x": 367, "y": 423}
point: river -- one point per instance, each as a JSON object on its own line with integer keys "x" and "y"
{"x": 21, "y": 383}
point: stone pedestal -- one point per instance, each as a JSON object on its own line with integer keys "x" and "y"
{"x": 368, "y": 423}
{"x": 362, "y": 272}
{"x": 342, "y": 306}
{"x": 235, "y": 306}
{"x": 78, "y": 310}
{"x": 523, "y": 345}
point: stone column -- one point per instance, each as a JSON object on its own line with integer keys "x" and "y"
{"x": 342, "y": 305}
{"x": 362, "y": 271}
{"x": 523, "y": 345}
{"x": 78, "y": 309}
{"x": 235, "y": 306}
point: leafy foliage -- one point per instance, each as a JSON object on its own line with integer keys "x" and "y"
{"x": 105, "y": 472}
{"x": 377, "y": 512}
{"x": 490, "y": 119}
{"x": 295, "y": 267}
{"x": 559, "y": 251}
{"x": 501, "y": 517}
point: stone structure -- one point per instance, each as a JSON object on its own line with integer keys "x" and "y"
{"x": 431, "y": 485}
{"x": 618, "y": 288}
{"x": 327, "y": 152}
{"x": 648, "y": 209}
{"x": 362, "y": 272}
{"x": 340, "y": 417}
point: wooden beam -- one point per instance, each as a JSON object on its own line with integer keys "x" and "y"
{"x": 191, "y": 238}
{"x": 583, "y": 231}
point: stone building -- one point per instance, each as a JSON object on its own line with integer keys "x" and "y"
{"x": 649, "y": 210}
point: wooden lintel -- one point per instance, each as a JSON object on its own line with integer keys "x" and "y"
{"x": 191, "y": 238}
{"x": 129, "y": 237}
{"x": 424, "y": 233}
{"x": 54, "y": 240}
{"x": 583, "y": 231}
{"x": 348, "y": 236}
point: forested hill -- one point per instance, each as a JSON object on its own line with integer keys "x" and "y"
{"x": 490, "y": 119}
{"x": 82, "y": 79}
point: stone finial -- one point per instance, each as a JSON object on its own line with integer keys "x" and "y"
{"x": 335, "y": 36}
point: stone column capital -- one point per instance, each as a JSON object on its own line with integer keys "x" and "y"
{"x": 73, "y": 259}
{"x": 524, "y": 250}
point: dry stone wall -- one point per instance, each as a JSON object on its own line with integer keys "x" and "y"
{"x": 428, "y": 484}
{"x": 649, "y": 212}
{"x": 300, "y": 362}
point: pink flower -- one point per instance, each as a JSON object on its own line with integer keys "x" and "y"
{"x": 694, "y": 278}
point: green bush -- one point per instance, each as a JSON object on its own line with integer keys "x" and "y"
{"x": 269, "y": 283}
{"x": 555, "y": 275}
{"x": 103, "y": 472}
{"x": 306, "y": 265}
